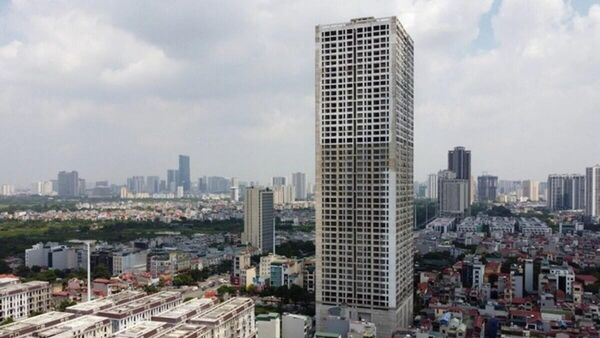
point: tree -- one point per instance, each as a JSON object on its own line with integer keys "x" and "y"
{"x": 4, "y": 268}
{"x": 65, "y": 304}
{"x": 101, "y": 271}
{"x": 183, "y": 279}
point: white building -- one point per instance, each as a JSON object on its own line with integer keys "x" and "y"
{"x": 232, "y": 318}
{"x": 184, "y": 311}
{"x": 592, "y": 192}
{"x": 19, "y": 300}
{"x": 7, "y": 190}
{"x": 99, "y": 304}
{"x": 264, "y": 267}
{"x": 88, "y": 326}
{"x": 364, "y": 155}
{"x": 531, "y": 190}
{"x": 28, "y": 326}
{"x": 296, "y": 326}
{"x": 141, "y": 309}
{"x": 283, "y": 194}
{"x": 432, "y": 186}
{"x": 268, "y": 325}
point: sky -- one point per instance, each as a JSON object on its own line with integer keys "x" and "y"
{"x": 117, "y": 88}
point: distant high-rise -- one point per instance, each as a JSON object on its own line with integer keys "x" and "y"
{"x": 487, "y": 187}
{"x": 217, "y": 185}
{"x": 453, "y": 195}
{"x": 68, "y": 184}
{"x": 299, "y": 183}
{"x": 364, "y": 172}
{"x": 592, "y": 192}
{"x": 432, "y": 186}
{"x": 531, "y": 190}
{"x": 153, "y": 184}
{"x": 172, "y": 180}
{"x": 459, "y": 161}
{"x": 184, "y": 173}
{"x": 136, "y": 184}
{"x": 278, "y": 181}
{"x": 259, "y": 219}
{"x": 566, "y": 192}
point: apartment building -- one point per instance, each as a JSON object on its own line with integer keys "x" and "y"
{"x": 19, "y": 300}
{"x": 232, "y": 318}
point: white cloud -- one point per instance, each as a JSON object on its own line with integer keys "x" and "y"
{"x": 117, "y": 88}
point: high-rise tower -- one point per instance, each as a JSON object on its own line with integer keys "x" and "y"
{"x": 592, "y": 192}
{"x": 184, "y": 173}
{"x": 364, "y": 171}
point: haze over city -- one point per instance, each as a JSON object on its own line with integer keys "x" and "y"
{"x": 99, "y": 88}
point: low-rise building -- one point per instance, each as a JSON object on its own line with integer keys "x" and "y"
{"x": 28, "y": 326}
{"x": 19, "y": 300}
{"x": 184, "y": 311}
{"x": 296, "y": 326}
{"x": 142, "y": 309}
{"x": 101, "y": 304}
{"x": 232, "y": 318}
{"x": 268, "y": 325}
{"x": 81, "y": 327}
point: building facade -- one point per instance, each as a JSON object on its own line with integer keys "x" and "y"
{"x": 453, "y": 195}
{"x": 459, "y": 162}
{"x": 487, "y": 187}
{"x": 432, "y": 186}
{"x": 566, "y": 192}
{"x": 364, "y": 171}
{"x": 531, "y": 190}
{"x": 259, "y": 219}
{"x": 299, "y": 183}
{"x": 68, "y": 184}
{"x": 184, "y": 173}
{"x": 592, "y": 192}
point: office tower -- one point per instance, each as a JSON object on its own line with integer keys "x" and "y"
{"x": 153, "y": 184}
{"x": 459, "y": 161}
{"x": 531, "y": 190}
{"x": 592, "y": 192}
{"x": 234, "y": 189}
{"x": 259, "y": 219}
{"x": 172, "y": 180}
{"x": 68, "y": 184}
{"x": 453, "y": 195}
{"x": 278, "y": 181}
{"x": 299, "y": 183}
{"x": 432, "y": 186}
{"x": 487, "y": 186}
{"x": 364, "y": 171}
{"x": 566, "y": 192}
{"x": 184, "y": 173}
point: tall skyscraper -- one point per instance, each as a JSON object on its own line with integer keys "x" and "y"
{"x": 566, "y": 192}
{"x": 184, "y": 173}
{"x": 364, "y": 171}
{"x": 259, "y": 219}
{"x": 487, "y": 187}
{"x": 531, "y": 190}
{"x": 432, "y": 186}
{"x": 68, "y": 184}
{"x": 278, "y": 181}
{"x": 172, "y": 180}
{"x": 453, "y": 195}
{"x": 459, "y": 161}
{"x": 299, "y": 183}
{"x": 592, "y": 192}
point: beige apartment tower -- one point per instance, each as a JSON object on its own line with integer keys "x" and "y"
{"x": 259, "y": 219}
{"x": 531, "y": 190}
{"x": 364, "y": 171}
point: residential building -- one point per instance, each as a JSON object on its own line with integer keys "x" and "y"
{"x": 364, "y": 171}
{"x": 129, "y": 261}
{"x": 30, "y": 325}
{"x": 268, "y": 325}
{"x": 453, "y": 195}
{"x": 136, "y": 184}
{"x": 83, "y": 327}
{"x": 184, "y": 173}
{"x": 592, "y": 192}
{"x": 566, "y": 192}
{"x": 296, "y": 326}
{"x": 459, "y": 162}
{"x": 142, "y": 309}
{"x": 531, "y": 190}
{"x": 487, "y": 186}
{"x": 185, "y": 311}
{"x": 68, "y": 184}
{"x": 299, "y": 183}
{"x": 432, "y": 186}
{"x": 20, "y": 300}
{"x": 96, "y": 305}
{"x": 259, "y": 221}
{"x": 232, "y": 318}
{"x": 278, "y": 181}
{"x": 283, "y": 194}
{"x": 152, "y": 184}
{"x": 172, "y": 180}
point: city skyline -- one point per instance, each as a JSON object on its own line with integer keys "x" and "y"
{"x": 466, "y": 78}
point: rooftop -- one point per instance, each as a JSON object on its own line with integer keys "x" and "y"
{"x": 74, "y": 327}
{"x": 224, "y": 310}
{"x": 143, "y": 329}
